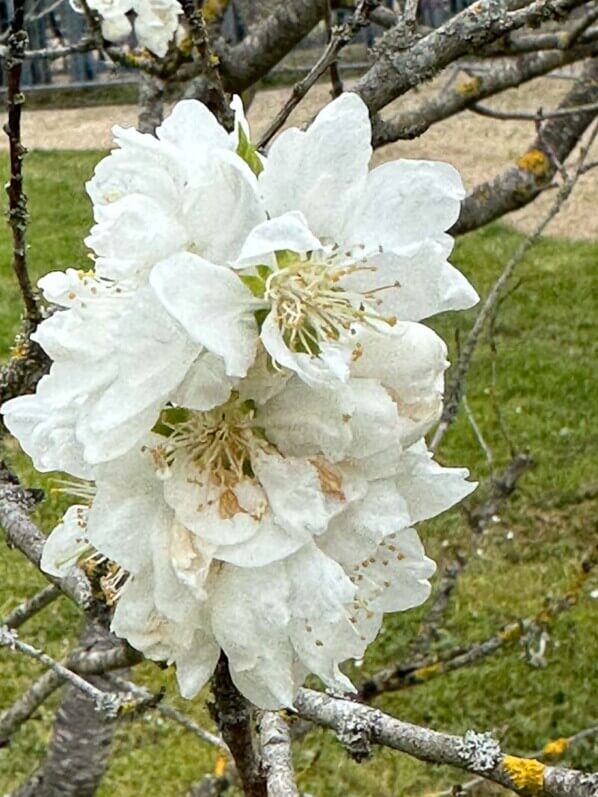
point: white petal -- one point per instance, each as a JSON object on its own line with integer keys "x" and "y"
{"x": 428, "y": 488}
{"x": 428, "y": 284}
{"x": 66, "y": 543}
{"x": 270, "y": 543}
{"x": 141, "y": 165}
{"x": 126, "y": 510}
{"x": 396, "y": 579}
{"x": 263, "y": 381}
{"x": 122, "y": 227}
{"x": 294, "y": 492}
{"x": 113, "y": 441}
{"x": 322, "y": 632}
{"x": 404, "y": 202}
{"x": 221, "y": 207}
{"x": 331, "y": 365}
{"x": 172, "y": 596}
{"x": 193, "y": 129}
{"x": 195, "y": 666}
{"x": 356, "y": 533}
{"x": 196, "y": 501}
{"x": 304, "y": 421}
{"x": 47, "y": 434}
{"x": 410, "y": 361}
{"x": 206, "y": 384}
{"x": 249, "y": 620}
{"x": 212, "y": 304}
{"x": 116, "y": 28}
{"x": 320, "y": 172}
{"x": 287, "y": 232}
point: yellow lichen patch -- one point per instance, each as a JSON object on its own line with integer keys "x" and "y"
{"x": 186, "y": 45}
{"x": 526, "y": 774}
{"x": 534, "y": 161}
{"x": 424, "y": 673}
{"x": 511, "y": 633}
{"x": 20, "y": 350}
{"x": 213, "y": 10}
{"x": 469, "y": 87}
{"x": 220, "y": 766}
{"x": 557, "y": 747}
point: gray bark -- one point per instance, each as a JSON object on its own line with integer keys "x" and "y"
{"x": 474, "y": 752}
{"x": 399, "y": 68}
{"x": 78, "y": 752}
{"x": 535, "y": 170}
{"x": 151, "y": 103}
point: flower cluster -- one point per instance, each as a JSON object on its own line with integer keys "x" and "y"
{"x": 245, "y": 379}
{"x": 155, "y": 21}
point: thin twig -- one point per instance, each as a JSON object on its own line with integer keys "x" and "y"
{"x": 53, "y": 53}
{"x": 24, "y": 611}
{"x": 18, "y": 216}
{"x": 340, "y": 37}
{"x": 84, "y": 662}
{"x": 168, "y": 711}
{"x": 278, "y": 760}
{"x": 335, "y": 76}
{"x": 530, "y": 116}
{"x": 109, "y": 703}
{"x": 216, "y": 98}
{"x": 477, "y": 431}
{"x": 421, "y": 670}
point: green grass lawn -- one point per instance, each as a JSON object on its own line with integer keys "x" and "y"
{"x": 544, "y": 384}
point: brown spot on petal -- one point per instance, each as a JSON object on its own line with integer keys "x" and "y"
{"x": 331, "y": 481}
{"x": 228, "y": 506}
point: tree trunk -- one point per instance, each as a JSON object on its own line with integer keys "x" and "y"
{"x": 78, "y": 752}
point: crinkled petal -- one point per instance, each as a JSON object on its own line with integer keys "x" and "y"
{"x": 404, "y": 202}
{"x": 427, "y": 487}
{"x": 212, "y": 304}
{"x": 194, "y": 130}
{"x": 249, "y": 619}
{"x": 66, "y": 543}
{"x": 294, "y": 492}
{"x": 288, "y": 232}
{"x": 395, "y": 577}
{"x": 122, "y": 228}
{"x": 47, "y": 434}
{"x": 195, "y": 666}
{"x": 127, "y": 510}
{"x": 221, "y": 206}
{"x": 206, "y": 384}
{"x": 320, "y": 172}
{"x": 427, "y": 283}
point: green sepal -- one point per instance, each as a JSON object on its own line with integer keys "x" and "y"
{"x": 248, "y": 151}
{"x": 169, "y": 417}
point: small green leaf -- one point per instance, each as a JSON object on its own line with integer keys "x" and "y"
{"x": 248, "y": 152}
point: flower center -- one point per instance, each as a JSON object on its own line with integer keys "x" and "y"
{"x": 310, "y": 305}
{"x": 219, "y": 442}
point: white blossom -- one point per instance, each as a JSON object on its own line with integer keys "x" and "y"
{"x": 285, "y": 560}
{"x": 156, "y": 21}
{"x": 245, "y": 379}
{"x": 316, "y": 251}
